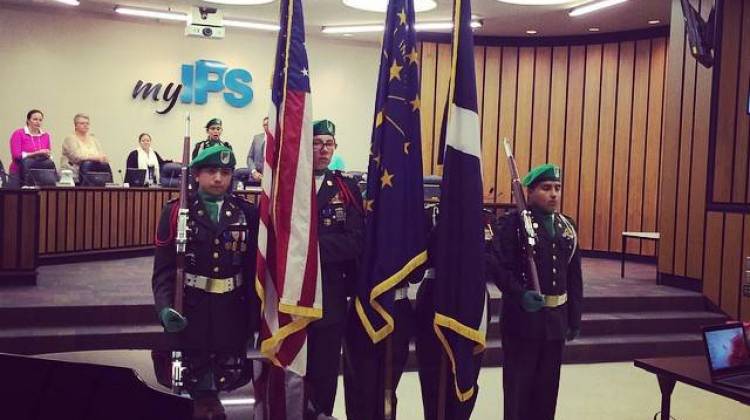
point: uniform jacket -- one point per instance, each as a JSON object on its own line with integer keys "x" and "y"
{"x": 558, "y": 263}
{"x": 214, "y": 250}
{"x": 341, "y": 240}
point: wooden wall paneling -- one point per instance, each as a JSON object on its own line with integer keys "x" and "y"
{"x": 10, "y": 230}
{"x": 670, "y": 141}
{"x": 427, "y": 97}
{"x": 638, "y": 141}
{"x": 605, "y": 150}
{"x": 130, "y": 223}
{"x": 29, "y": 229}
{"x": 109, "y": 206}
{"x": 524, "y": 108}
{"x": 731, "y": 264}
{"x": 42, "y": 221}
{"x": 441, "y": 98}
{"x": 479, "y": 54}
{"x": 589, "y": 140}
{"x": 685, "y": 158}
{"x": 488, "y": 178}
{"x": 153, "y": 214}
{"x": 136, "y": 220}
{"x": 725, "y": 122}
{"x": 114, "y": 219}
{"x": 98, "y": 225}
{"x": 540, "y": 111}
{"x": 653, "y": 141}
{"x": 70, "y": 227}
{"x": 574, "y": 117}
{"x": 507, "y": 118}
{"x": 53, "y": 231}
{"x": 145, "y": 213}
{"x": 742, "y": 133}
{"x": 558, "y": 88}
{"x": 490, "y": 148}
{"x": 62, "y": 218}
{"x": 745, "y": 300}
{"x": 80, "y": 217}
{"x": 713, "y": 256}
{"x": 699, "y": 174}
{"x": 89, "y": 226}
{"x": 621, "y": 154}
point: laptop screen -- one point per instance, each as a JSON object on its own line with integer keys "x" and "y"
{"x": 43, "y": 177}
{"x": 726, "y": 348}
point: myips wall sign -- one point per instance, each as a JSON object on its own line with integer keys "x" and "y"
{"x": 198, "y": 80}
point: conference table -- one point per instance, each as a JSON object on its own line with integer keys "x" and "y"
{"x": 692, "y": 370}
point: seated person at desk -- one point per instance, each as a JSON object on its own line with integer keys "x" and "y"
{"x": 144, "y": 157}
{"x": 83, "y": 147}
{"x": 213, "y": 130}
{"x": 29, "y": 145}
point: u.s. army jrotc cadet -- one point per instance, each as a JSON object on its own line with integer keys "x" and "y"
{"x": 221, "y": 311}
{"x": 214, "y": 128}
{"x": 536, "y": 325}
{"x": 340, "y": 240}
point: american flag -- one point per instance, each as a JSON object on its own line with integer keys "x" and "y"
{"x": 288, "y": 263}
{"x": 460, "y": 291}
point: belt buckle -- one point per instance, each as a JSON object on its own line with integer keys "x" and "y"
{"x": 217, "y": 285}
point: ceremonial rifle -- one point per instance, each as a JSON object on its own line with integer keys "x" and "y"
{"x": 528, "y": 229}
{"x": 181, "y": 244}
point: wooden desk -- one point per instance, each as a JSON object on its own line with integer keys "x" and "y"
{"x": 19, "y": 236}
{"x": 690, "y": 370}
{"x": 89, "y": 221}
{"x": 649, "y": 236}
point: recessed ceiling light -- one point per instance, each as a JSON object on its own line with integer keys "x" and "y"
{"x": 150, "y": 13}
{"x": 592, "y": 7}
{"x": 239, "y": 2}
{"x": 531, "y": 31}
{"x": 654, "y": 22}
{"x": 535, "y": 2}
{"x": 594, "y": 29}
{"x": 69, "y": 2}
{"x": 382, "y": 5}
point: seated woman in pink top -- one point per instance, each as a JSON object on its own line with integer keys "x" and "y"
{"x": 29, "y": 141}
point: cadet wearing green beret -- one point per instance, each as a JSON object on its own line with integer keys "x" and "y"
{"x": 214, "y": 128}
{"x": 340, "y": 241}
{"x": 536, "y": 325}
{"x": 221, "y": 311}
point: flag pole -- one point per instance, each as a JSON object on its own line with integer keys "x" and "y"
{"x": 388, "y": 413}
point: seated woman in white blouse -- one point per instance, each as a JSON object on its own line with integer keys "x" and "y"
{"x": 144, "y": 157}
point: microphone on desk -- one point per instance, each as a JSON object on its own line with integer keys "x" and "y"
{"x": 122, "y": 180}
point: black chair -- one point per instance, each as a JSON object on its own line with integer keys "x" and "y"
{"x": 3, "y": 176}
{"x": 135, "y": 177}
{"x": 243, "y": 175}
{"x": 30, "y": 165}
{"x": 94, "y": 174}
{"x": 432, "y": 187}
{"x": 170, "y": 175}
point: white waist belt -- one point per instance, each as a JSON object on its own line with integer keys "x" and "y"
{"x": 213, "y": 285}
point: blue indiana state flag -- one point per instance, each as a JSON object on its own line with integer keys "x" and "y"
{"x": 396, "y": 235}
{"x": 460, "y": 292}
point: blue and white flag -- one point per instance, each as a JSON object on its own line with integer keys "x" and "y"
{"x": 460, "y": 291}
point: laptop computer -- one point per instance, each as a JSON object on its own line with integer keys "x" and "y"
{"x": 728, "y": 355}
{"x": 135, "y": 177}
{"x": 43, "y": 177}
{"x": 95, "y": 179}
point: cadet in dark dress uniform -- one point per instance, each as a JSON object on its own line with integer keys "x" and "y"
{"x": 340, "y": 240}
{"x": 221, "y": 311}
{"x": 214, "y": 128}
{"x": 535, "y": 326}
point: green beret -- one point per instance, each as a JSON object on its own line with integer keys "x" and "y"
{"x": 322, "y": 127}
{"x": 213, "y": 121}
{"x": 545, "y": 172}
{"x": 217, "y": 156}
